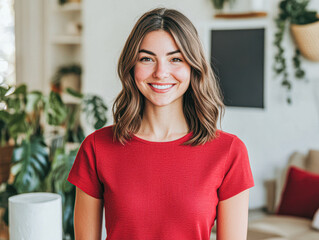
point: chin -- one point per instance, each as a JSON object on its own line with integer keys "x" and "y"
{"x": 159, "y": 104}
{"x": 164, "y": 102}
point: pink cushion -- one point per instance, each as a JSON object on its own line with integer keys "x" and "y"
{"x": 301, "y": 194}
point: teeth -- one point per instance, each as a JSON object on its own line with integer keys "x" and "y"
{"x": 161, "y": 86}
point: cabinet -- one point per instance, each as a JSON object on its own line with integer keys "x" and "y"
{"x": 62, "y": 37}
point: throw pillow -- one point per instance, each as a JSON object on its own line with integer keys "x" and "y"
{"x": 296, "y": 159}
{"x": 313, "y": 161}
{"x": 301, "y": 194}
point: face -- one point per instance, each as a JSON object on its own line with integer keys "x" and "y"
{"x": 161, "y": 74}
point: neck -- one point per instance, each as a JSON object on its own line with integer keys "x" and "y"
{"x": 163, "y": 123}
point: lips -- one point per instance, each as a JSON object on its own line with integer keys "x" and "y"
{"x": 161, "y": 87}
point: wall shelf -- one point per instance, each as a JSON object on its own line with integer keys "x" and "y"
{"x": 62, "y": 46}
{"x": 67, "y": 40}
{"x": 241, "y": 15}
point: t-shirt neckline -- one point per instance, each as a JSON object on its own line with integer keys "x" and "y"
{"x": 179, "y": 140}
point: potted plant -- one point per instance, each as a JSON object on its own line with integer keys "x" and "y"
{"x": 12, "y": 124}
{"x": 42, "y": 165}
{"x": 292, "y": 13}
{"x": 67, "y": 76}
{"x": 219, "y": 4}
{"x": 22, "y": 131}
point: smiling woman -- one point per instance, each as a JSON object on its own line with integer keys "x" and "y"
{"x": 163, "y": 170}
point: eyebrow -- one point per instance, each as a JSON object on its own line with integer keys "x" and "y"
{"x": 153, "y": 54}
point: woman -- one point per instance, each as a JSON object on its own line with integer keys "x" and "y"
{"x": 164, "y": 170}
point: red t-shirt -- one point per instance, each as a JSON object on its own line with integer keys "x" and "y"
{"x": 160, "y": 190}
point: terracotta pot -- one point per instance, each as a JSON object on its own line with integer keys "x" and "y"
{"x": 4, "y": 230}
{"x": 306, "y": 38}
{"x": 5, "y": 162}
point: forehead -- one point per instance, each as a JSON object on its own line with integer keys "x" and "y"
{"x": 159, "y": 40}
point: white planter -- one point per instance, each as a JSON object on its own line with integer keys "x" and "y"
{"x": 35, "y": 216}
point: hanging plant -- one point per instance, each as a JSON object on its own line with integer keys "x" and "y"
{"x": 290, "y": 12}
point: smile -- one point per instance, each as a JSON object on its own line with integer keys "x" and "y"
{"x": 161, "y": 86}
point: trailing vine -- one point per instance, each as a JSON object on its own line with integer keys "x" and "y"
{"x": 291, "y": 12}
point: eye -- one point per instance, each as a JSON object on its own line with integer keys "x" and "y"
{"x": 146, "y": 59}
{"x": 176, "y": 60}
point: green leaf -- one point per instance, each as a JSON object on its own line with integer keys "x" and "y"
{"x": 55, "y": 109}
{"x": 22, "y": 89}
{"x": 33, "y": 100}
{"x": 74, "y": 93}
{"x": 95, "y": 110}
{"x": 5, "y": 116}
{"x": 35, "y": 165}
{"x": 17, "y": 124}
{"x": 57, "y": 182}
{"x": 218, "y": 4}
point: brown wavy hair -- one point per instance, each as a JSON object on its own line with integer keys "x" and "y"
{"x": 202, "y": 102}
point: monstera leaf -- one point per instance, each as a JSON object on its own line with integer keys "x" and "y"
{"x": 55, "y": 109}
{"x": 95, "y": 110}
{"x": 18, "y": 98}
{"x": 61, "y": 166}
{"x": 33, "y": 160}
{"x": 57, "y": 182}
{"x": 13, "y": 123}
{"x": 17, "y": 124}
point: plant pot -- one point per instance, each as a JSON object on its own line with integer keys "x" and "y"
{"x": 72, "y": 81}
{"x": 4, "y": 230}
{"x": 306, "y": 38}
{"x": 5, "y": 162}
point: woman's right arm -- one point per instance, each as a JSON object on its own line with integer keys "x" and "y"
{"x": 88, "y": 212}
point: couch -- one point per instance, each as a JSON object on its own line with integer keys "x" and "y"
{"x": 283, "y": 219}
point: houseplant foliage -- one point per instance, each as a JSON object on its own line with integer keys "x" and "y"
{"x": 219, "y": 4}
{"x": 12, "y": 120}
{"x": 64, "y": 70}
{"x": 290, "y": 12}
{"x": 20, "y": 117}
{"x": 39, "y": 164}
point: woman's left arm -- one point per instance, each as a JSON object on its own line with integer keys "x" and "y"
{"x": 232, "y": 217}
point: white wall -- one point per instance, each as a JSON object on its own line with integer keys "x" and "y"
{"x": 29, "y": 43}
{"x": 270, "y": 134}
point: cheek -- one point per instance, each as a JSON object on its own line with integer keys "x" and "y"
{"x": 141, "y": 73}
{"x": 183, "y": 74}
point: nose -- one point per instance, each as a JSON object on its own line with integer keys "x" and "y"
{"x": 161, "y": 70}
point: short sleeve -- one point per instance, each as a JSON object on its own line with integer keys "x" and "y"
{"x": 238, "y": 176}
{"x": 83, "y": 173}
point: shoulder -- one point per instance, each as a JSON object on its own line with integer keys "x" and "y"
{"x": 102, "y": 134}
{"x": 229, "y": 140}
{"x": 226, "y": 137}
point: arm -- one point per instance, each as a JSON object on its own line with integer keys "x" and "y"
{"x": 88, "y": 213}
{"x": 232, "y": 217}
